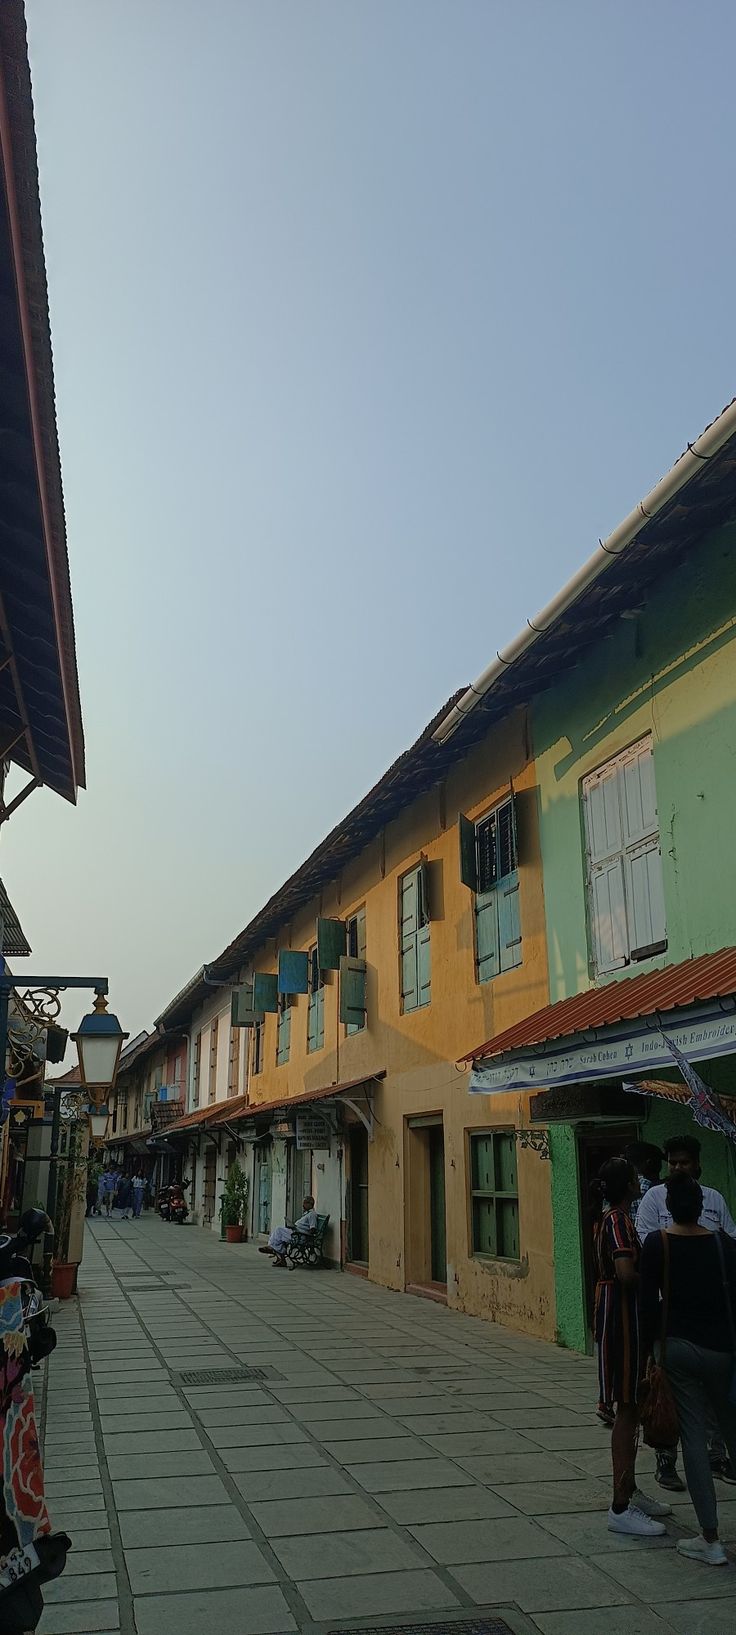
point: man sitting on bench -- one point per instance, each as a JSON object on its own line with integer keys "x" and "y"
{"x": 281, "y": 1236}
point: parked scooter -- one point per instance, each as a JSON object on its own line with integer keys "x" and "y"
{"x": 30, "y": 1554}
{"x": 163, "y": 1203}
{"x": 178, "y": 1209}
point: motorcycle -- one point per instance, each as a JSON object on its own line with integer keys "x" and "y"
{"x": 178, "y": 1210}
{"x": 163, "y": 1203}
{"x": 30, "y": 1554}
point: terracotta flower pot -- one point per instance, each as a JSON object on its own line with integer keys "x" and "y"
{"x": 63, "y": 1279}
{"x": 233, "y": 1234}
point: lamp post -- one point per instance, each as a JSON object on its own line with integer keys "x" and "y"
{"x": 99, "y": 1040}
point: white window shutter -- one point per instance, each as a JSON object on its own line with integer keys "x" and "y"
{"x": 608, "y": 915}
{"x": 639, "y": 800}
{"x": 603, "y": 814}
{"x": 645, "y": 892}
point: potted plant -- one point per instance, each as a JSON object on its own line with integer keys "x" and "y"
{"x": 234, "y": 1203}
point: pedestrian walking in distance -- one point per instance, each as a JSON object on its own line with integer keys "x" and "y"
{"x": 139, "y": 1193}
{"x": 700, "y": 1342}
{"x": 617, "y": 1341}
{"x": 124, "y": 1197}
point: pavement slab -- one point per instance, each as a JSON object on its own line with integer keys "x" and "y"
{"x": 407, "y": 1461}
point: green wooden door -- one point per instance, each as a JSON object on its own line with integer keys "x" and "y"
{"x": 263, "y": 1161}
{"x": 437, "y": 1203}
{"x": 358, "y": 1246}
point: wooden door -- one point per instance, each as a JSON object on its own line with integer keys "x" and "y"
{"x": 438, "y": 1230}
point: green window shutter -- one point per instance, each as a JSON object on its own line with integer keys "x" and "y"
{"x": 484, "y": 1226}
{"x": 331, "y": 944}
{"x": 424, "y": 966}
{"x": 243, "y": 1013}
{"x": 293, "y": 971}
{"x": 424, "y": 894}
{"x": 284, "y": 1037}
{"x": 352, "y": 991}
{"x": 509, "y": 923}
{"x": 505, "y": 1177}
{"x": 265, "y": 991}
{"x": 360, "y": 921}
{"x": 468, "y": 864}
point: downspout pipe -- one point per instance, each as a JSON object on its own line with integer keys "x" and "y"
{"x": 706, "y": 446}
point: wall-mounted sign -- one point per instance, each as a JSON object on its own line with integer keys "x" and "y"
{"x": 313, "y": 1131}
{"x": 608, "y": 1056}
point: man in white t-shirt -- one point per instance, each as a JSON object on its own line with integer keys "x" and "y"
{"x": 683, "y": 1156}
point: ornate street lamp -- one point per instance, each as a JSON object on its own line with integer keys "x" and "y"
{"x": 98, "y": 1116}
{"x": 99, "y": 1040}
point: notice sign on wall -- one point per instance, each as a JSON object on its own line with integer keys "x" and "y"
{"x": 312, "y": 1131}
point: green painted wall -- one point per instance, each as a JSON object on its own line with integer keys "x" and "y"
{"x": 669, "y": 672}
{"x": 568, "y": 1250}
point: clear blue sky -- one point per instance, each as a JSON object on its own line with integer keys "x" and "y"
{"x": 369, "y": 317}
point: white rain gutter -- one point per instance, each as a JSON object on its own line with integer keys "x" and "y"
{"x": 704, "y": 449}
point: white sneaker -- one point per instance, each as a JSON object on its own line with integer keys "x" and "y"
{"x": 635, "y": 1522}
{"x": 698, "y": 1549}
{"x": 650, "y": 1507}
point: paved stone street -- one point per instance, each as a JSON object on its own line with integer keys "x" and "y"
{"x": 397, "y": 1462}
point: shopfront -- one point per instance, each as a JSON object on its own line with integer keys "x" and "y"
{"x": 604, "y": 1073}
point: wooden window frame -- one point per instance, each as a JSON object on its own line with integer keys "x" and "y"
{"x": 212, "y": 1073}
{"x": 258, "y": 1047}
{"x": 352, "y": 948}
{"x": 195, "y": 1069}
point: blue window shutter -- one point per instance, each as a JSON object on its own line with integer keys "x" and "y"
{"x": 424, "y": 966}
{"x": 293, "y": 971}
{"x": 509, "y": 923}
{"x": 468, "y": 863}
{"x": 284, "y": 1036}
{"x": 486, "y": 933}
{"x": 409, "y": 925}
{"x": 265, "y": 991}
{"x": 331, "y": 944}
{"x": 352, "y": 991}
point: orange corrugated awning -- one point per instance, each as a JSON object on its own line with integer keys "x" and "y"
{"x": 223, "y": 1112}
{"x": 712, "y": 976}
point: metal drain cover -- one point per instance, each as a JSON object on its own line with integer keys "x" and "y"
{"x": 227, "y": 1376}
{"x": 467, "y": 1626}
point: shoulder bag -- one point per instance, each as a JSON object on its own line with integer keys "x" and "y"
{"x": 660, "y": 1426}
{"x": 729, "y": 1312}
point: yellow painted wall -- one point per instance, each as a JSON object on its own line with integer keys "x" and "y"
{"x": 418, "y": 1050}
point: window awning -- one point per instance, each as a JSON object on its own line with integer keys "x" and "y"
{"x": 616, "y": 1029}
{"x": 241, "y": 1107}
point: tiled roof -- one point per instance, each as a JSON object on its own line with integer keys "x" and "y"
{"x": 711, "y": 976}
{"x": 15, "y": 944}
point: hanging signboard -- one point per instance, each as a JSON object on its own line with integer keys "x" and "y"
{"x": 313, "y": 1132}
{"x": 630, "y": 1052}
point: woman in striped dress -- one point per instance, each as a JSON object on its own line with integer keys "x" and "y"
{"x": 617, "y": 1340}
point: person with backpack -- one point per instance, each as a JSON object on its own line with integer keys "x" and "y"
{"x": 687, "y": 1302}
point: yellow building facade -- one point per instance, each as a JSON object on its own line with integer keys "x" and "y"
{"x": 429, "y": 1189}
